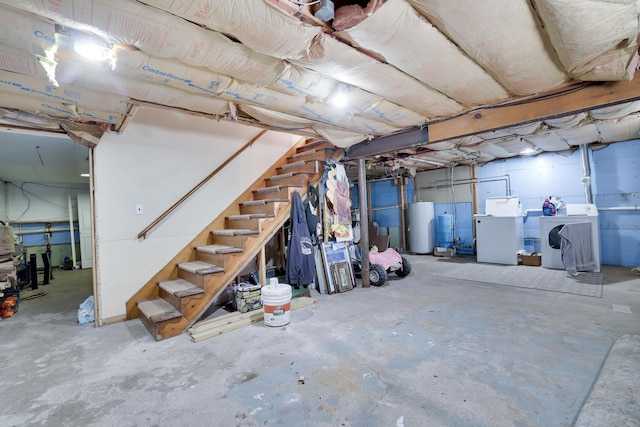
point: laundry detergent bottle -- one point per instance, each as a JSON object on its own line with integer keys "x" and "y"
{"x": 548, "y": 208}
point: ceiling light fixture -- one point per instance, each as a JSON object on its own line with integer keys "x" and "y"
{"x": 528, "y": 151}
{"x": 92, "y": 49}
{"x": 340, "y": 99}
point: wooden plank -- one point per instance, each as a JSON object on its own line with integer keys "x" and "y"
{"x": 232, "y": 321}
{"x": 256, "y": 316}
{"x": 571, "y": 100}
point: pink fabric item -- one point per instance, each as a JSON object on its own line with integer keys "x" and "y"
{"x": 386, "y": 259}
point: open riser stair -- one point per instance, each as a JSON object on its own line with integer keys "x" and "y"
{"x": 178, "y": 295}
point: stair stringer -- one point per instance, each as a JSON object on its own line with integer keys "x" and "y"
{"x": 235, "y": 264}
{"x": 170, "y": 270}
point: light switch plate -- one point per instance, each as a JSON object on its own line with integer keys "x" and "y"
{"x": 139, "y": 210}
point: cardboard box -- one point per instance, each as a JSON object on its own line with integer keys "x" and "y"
{"x": 533, "y": 259}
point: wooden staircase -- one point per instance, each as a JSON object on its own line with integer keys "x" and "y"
{"x": 178, "y": 295}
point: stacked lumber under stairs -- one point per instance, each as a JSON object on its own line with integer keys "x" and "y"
{"x": 178, "y": 295}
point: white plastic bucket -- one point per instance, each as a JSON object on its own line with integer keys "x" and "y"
{"x": 276, "y": 304}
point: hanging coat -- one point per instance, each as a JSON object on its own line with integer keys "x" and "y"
{"x": 300, "y": 259}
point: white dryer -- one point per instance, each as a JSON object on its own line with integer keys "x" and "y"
{"x": 551, "y": 225}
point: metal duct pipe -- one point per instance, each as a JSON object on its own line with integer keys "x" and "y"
{"x": 586, "y": 174}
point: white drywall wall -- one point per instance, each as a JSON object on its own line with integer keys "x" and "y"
{"x": 39, "y": 202}
{"x": 158, "y": 159}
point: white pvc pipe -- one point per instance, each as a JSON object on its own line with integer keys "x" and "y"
{"x": 621, "y": 208}
{"x": 71, "y": 230}
{"x": 586, "y": 172}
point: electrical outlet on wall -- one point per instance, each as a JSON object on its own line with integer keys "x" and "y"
{"x": 139, "y": 210}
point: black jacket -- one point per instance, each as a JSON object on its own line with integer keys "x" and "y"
{"x": 300, "y": 259}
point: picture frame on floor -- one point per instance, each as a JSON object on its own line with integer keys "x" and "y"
{"x": 341, "y": 273}
{"x": 337, "y": 267}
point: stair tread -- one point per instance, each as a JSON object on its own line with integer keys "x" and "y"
{"x": 304, "y": 153}
{"x": 200, "y": 267}
{"x": 289, "y": 175}
{"x": 219, "y": 249}
{"x": 250, "y": 216}
{"x": 294, "y": 164}
{"x": 271, "y": 189}
{"x": 157, "y": 310}
{"x": 275, "y": 188}
{"x": 180, "y": 287}
{"x": 235, "y": 232}
{"x": 284, "y": 175}
{"x": 263, "y": 202}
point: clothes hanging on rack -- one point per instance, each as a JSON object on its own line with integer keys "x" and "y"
{"x": 300, "y": 258}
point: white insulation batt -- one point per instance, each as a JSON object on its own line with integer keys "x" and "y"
{"x": 548, "y": 141}
{"x": 342, "y": 62}
{"x": 623, "y": 129}
{"x": 18, "y": 61}
{"x": 594, "y": 39}
{"x": 403, "y": 63}
{"x": 57, "y": 109}
{"x": 256, "y": 24}
{"x": 18, "y": 84}
{"x": 503, "y": 36}
{"x": 616, "y": 111}
{"x": 432, "y": 59}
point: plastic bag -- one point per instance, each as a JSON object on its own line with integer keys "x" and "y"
{"x": 85, "y": 312}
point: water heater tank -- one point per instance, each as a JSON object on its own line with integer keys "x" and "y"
{"x": 421, "y": 227}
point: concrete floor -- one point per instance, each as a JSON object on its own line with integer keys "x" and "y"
{"x": 419, "y": 351}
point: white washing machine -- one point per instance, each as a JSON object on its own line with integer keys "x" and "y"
{"x": 499, "y": 239}
{"x": 551, "y": 225}
{"x": 500, "y": 232}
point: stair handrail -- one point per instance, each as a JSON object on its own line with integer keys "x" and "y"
{"x": 143, "y": 233}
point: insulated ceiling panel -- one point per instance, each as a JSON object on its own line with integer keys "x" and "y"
{"x": 441, "y": 65}
{"x": 407, "y": 65}
{"x": 505, "y": 37}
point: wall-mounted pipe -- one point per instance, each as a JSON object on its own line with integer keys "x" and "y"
{"x": 620, "y": 208}
{"x": 382, "y": 208}
{"x": 446, "y": 183}
{"x": 42, "y": 230}
{"x": 586, "y": 173}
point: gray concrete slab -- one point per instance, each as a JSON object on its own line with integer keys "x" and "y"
{"x": 423, "y": 350}
{"x": 615, "y": 398}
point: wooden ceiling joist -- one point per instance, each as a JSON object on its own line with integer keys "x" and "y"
{"x": 572, "y": 100}
{"x": 584, "y": 98}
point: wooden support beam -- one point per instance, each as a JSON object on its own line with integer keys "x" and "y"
{"x": 262, "y": 266}
{"x": 572, "y": 100}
